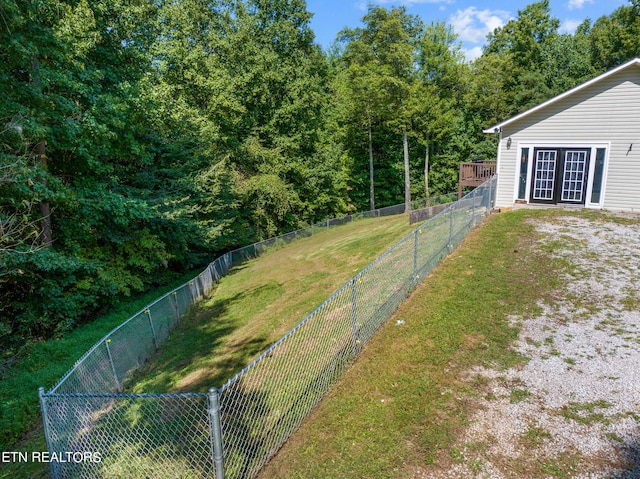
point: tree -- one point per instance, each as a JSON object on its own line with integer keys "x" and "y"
{"x": 359, "y": 85}
{"x": 614, "y": 38}
{"x": 441, "y": 71}
{"x": 491, "y": 92}
{"x": 526, "y": 35}
{"x": 70, "y": 77}
{"x": 566, "y": 60}
{"x": 519, "y": 45}
{"x": 386, "y": 47}
{"x": 251, "y": 75}
{"x": 19, "y": 231}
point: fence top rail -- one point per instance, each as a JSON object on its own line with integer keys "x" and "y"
{"x": 122, "y": 395}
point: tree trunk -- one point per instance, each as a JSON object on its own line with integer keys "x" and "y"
{"x": 372, "y": 203}
{"x": 46, "y": 231}
{"x": 426, "y": 172}
{"x": 407, "y": 178}
{"x": 40, "y": 150}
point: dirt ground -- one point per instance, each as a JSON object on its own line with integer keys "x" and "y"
{"x": 573, "y": 410}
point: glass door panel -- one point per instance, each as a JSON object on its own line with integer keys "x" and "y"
{"x": 573, "y": 178}
{"x": 544, "y": 175}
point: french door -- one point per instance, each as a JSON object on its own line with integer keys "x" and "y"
{"x": 560, "y": 175}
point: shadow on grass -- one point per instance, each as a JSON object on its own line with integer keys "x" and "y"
{"x": 629, "y": 458}
{"x": 199, "y": 353}
{"x": 169, "y": 436}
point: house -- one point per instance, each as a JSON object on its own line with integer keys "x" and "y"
{"x": 579, "y": 148}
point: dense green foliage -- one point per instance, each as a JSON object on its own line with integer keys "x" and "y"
{"x": 143, "y": 138}
{"x": 139, "y": 139}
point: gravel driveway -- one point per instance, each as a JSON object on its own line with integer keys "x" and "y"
{"x": 574, "y": 409}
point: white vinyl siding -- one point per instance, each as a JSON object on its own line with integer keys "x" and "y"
{"x": 606, "y": 112}
{"x": 506, "y": 171}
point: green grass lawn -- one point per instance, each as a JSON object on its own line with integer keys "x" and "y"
{"x": 400, "y": 407}
{"x": 252, "y": 307}
{"x": 259, "y": 301}
{"x": 402, "y": 404}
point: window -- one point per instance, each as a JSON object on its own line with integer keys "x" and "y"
{"x": 522, "y": 182}
{"x": 598, "y": 174}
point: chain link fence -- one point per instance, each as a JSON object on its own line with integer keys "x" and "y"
{"x": 93, "y": 430}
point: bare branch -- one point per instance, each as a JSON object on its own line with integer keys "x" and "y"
{"x": 19, "y": 232}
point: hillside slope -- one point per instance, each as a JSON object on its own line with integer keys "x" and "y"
{"x": 261, "y": 300}
{"x": 509, "y": 361}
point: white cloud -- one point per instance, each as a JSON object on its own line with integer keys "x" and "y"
{"x": 473, "y": 25}
{"x": 471, "y": 54}
{"x": 573, "y": 4}
{"x": 570, "y": 26}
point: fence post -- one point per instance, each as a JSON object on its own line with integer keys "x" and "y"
{"x": 47, "y": 432}
{"x": 193, "y": 297}
{"x": 217, "y": 451}
{"x": 490, "y": 206}
{"x": 113, "y": 366}
{"x": 473, "y": 207}
{"x": 415, "y": 258}
{"x": 354, "y": 324}
{"x": 175, "y": 304}
{"x": 153, "y": 330}
{"x": 450, "y": 227}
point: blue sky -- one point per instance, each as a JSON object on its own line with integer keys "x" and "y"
{"x": 470, "y": 19}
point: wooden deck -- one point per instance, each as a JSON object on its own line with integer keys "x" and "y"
{"x": 475, "y": 173}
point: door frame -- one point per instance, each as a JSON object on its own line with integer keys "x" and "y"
{"x": 559, "y": 172}
{"x": 532, "y": 145}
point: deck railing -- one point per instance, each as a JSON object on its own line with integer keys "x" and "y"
{"x": 475, "y": 173}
